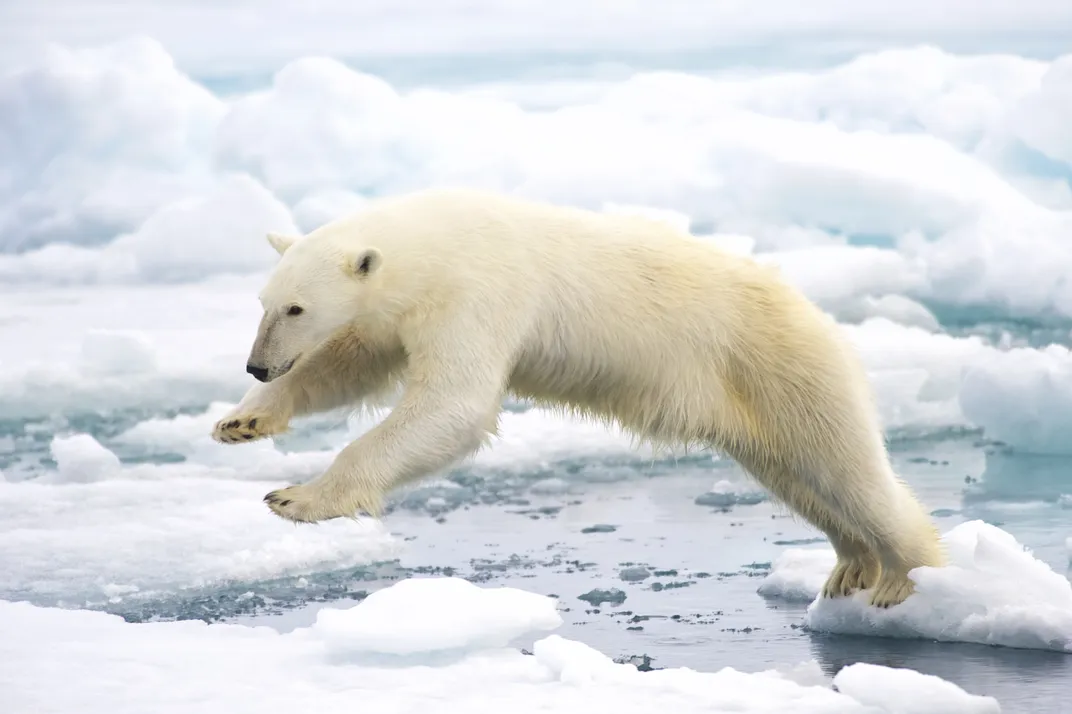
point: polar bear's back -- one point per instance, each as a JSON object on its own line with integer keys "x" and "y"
{"x": 629, "y": 316}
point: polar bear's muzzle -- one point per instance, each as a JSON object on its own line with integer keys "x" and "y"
{"x": 265, "y": 362}
{"x": 264, "y": 374}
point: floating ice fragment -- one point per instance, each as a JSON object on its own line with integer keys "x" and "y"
{"x": 991, "y": 592}
{"x": 597, "y": 597}
{"x": 798, "y": 574}
{"x": 904, "y": 691}
{"x": 429, "y": 615}
{"x": 725, "y": 494}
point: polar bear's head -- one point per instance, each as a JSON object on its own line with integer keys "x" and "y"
{"x": 316, "y": 289}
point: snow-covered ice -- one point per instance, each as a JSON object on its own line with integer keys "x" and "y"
{"x": 992, "y": 592}
{"x": 347, "y": 659}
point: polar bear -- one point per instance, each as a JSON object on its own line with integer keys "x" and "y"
{"x": 461, "y": 296}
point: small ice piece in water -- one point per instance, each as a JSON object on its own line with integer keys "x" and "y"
{"x": 82, "y": 459}
{"x": 550, "y": 486}
{"x": 1065, "y": 500}
{"x": 398, "y": 620}
{"x": 913, "y": 692}
{"x": 992, "y": 592}
{"x": 798, "y": 574}
{"x": 725, "y": 494}
{"x": 598, "y": 596}
{"x": 634, "y": 574}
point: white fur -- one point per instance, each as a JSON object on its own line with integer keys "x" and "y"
{"x": 470, "y": 295}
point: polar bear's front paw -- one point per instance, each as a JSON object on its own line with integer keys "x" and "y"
{"x": 306, "y": 504}
{"x": 240, "y": 428}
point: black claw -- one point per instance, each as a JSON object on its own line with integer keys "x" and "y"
{"x": 231, "y": 424}
{"x": 253, "y": 423}
{"x": 284, "y": 503}
{"x": 247, "y": 437}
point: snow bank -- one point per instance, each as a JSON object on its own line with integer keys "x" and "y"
{"x": 257, "y": 669}
{"x": 992, "y": 592}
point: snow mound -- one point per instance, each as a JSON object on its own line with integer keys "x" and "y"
{"x": 992, "y": 592}
{"x": 241, "y": 668}
{"x": 886, "y": 688}
{"x": 422, "y": 615}
{"x": 82, "y": 459}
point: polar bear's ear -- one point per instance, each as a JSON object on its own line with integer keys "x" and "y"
{"x": 280, "y": 242}
{"x": 366, "y": 262}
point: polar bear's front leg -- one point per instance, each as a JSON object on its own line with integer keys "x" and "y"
{"x": 448, "y": 410}
{"x": 427, "y": 431}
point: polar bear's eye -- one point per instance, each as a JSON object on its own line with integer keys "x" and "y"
{"x": 295, "y": 310}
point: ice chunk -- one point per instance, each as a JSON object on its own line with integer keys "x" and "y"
{"x": 916, "y": 375}
{"x": 896, "y": 308}
{"x": 96, "y": 139}
{"x": 833, "y": 275}
{"x": 598, "y": 596}
{"x": 1041, "y": 117}
{"x": 1022, "y": 397}
{"x": 218, "y": 229}
{"x": 81, "y": 459}
{"x": 112, "y": 353}
{"x": 798, "y": 574}
{"x": 991, "y": 592}
{"x": 903, "y": 691}
{"x": 634, "y": 573}
{"x": 429, "y": 615}
{"x": 725, "y": 494}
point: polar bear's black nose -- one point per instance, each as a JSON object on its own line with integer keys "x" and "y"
{"x": 259, "y": 373}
